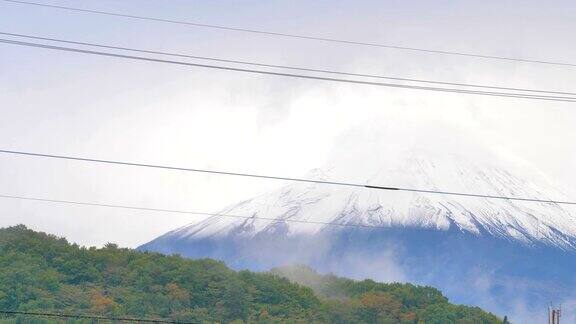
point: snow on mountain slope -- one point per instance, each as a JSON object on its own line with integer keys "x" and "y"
{"x": 528, "y": 222}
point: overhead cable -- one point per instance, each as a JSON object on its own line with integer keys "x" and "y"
{"x": 187, "y": 212}
{"x": 250, "y": 175}
{"x": 286, "y": 67}
{"x": 93, "y": 317}
{"x": 310, "y": 77}
{"x": 295, "y": 36}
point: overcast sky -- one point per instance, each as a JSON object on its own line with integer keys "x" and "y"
{"x": 73, "y": 104}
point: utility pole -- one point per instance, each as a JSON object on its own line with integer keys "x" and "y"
{"x": 554, "y": 315}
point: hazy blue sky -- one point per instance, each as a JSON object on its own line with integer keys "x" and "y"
{"x": 100, "y": 107}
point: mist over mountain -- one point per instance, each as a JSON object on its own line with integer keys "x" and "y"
{"x": 513, "y": 254}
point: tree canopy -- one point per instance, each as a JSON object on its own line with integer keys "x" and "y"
{"x": 42, "y": 272}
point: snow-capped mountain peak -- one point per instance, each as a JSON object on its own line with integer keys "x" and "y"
{"x": 304, "y": 208}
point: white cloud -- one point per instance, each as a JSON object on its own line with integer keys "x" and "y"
{"x": 77, "y": 105}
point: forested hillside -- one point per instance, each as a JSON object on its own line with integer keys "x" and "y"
{"x": 41, "y": 272}
{"x": 406, "y": 302}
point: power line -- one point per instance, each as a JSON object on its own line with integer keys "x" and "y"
{"x": 276, "y": 220}
{"x": 284, "y": 66}
{"x": 336, "y": 183}
{"x": 296, "y": 36}
{"x": 95, "y": 317}
{"x": 380, "y": 84}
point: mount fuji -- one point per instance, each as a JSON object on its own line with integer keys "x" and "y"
{"x": 505, "y": 255}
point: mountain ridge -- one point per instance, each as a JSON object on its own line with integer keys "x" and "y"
{"x": 511, "y": 252}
